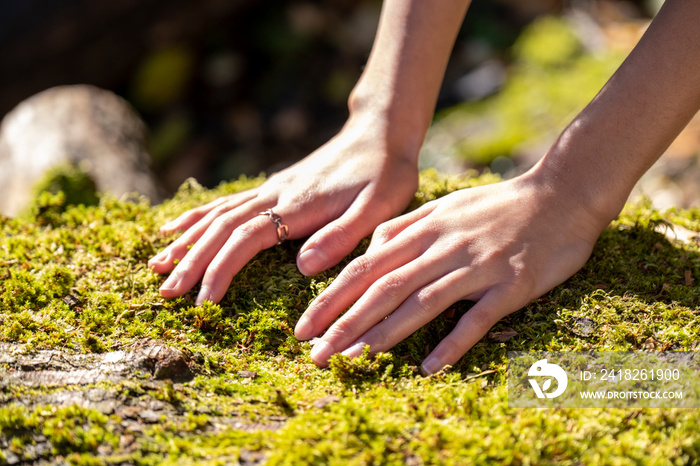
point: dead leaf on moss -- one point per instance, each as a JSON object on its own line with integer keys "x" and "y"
{"x": 689, "y": 278}
{"x": 72, "y": 301}
{"x": 582, "y": 326}
{"x": 650, "y": 344}
{"x": 503, "y": 336}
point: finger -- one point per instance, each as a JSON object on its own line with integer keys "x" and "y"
{"x": 242, "y": 245}
{"x": 352, "y": 283}
{"x": 392, "y": 228}
{"x": 394, "y": 295}
{"x": 165, "y": 261}
{"x": 419, "y": 309}
{"x": 473, "y": 325}
{"x": 193, "y": 265}
{"x": 192, "y": 216}
{"x": 330, "y": 244}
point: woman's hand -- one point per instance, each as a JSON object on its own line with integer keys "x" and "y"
{"x": 364, "y": 176}
{"x": 506, "y": 244}
{"x": 501, "y": 245}
{"x": 342, "y": 192}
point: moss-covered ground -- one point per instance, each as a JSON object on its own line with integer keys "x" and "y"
{"x": 75, "y": 279}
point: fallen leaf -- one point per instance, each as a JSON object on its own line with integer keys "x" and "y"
{"x": 689, "y": 278}
{"x": 503, "y": 336}
{"x": 649, "y": 344}
{"x": 72, "y": 301}
{"x": 582, "y": 326}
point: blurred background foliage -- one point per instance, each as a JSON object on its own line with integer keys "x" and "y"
{"x": 553, "y": 71}
{"x": 232, "y": 87}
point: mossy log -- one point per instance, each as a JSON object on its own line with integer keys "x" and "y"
{"x": 76, "y": 294}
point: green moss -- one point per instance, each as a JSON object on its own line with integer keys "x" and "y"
{"x": 80, "y": 284}
{"x": 549, "y": 42}
{"x": 62, "y": 186}
{"x": 69, "y": 429}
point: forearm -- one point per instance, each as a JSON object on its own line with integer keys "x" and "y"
{"x": 402, "y": 78}
{"x": 634, "y": 118}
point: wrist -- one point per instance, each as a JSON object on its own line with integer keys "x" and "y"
{"x": 378, "y": 118}
{"x": 575, "y": 174}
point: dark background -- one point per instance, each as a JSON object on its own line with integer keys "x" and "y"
{"x": 229, "y": 87}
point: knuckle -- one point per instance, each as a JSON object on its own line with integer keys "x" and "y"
{"x": 250, "y": 234}
{"x": 341, "y": 236}
{"x": 378, "y": 338}
{"x": 481, "y": 319}
{"x": 269, "y": 192}
{"x": 342, "y": 330}
{"x": 382, "y": 233}
{"x": 222, "y": 223}
{"x": 320, "y": 303}
{"x": 245, "y": 232}
{"x": 189, "y": 217}
{"x": 184, "y": 268}
{"x": 360, "y": 267}
{"x": 523, "y": 279}
{"x": 390, "y": 286}
{"x": 426, "y": 301}
{"x": 218, "y": 211}
{"x": 215, "y": 270}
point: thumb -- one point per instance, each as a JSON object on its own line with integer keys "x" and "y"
{"x": 329, "y": 245}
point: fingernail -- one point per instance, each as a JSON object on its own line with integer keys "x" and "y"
{"x": 322, "y": 352}
{"x": 312, "y": 261}
{"x": 431, "y": 365}
{"x": 355, "y": 350}
{"x": 157, "y": 258}
{"x": 172, "y": 283}
{"x": 204, "y": 295}
{"x": 304, "y": 329}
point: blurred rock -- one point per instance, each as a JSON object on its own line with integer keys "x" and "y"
{"x": 77, "y": 125}
{"x": 481, "y": 82}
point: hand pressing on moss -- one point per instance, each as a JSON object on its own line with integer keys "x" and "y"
{"x": 364, "y": 176}
{"x": 504, "y": 245}
{"x": 500, "y": 246}
{"x": 340, "y": 193}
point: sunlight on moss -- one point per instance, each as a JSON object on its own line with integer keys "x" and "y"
{"x": 80, "y": 284}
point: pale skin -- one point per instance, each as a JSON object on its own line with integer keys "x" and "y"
{"x": 501, "y": 245}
